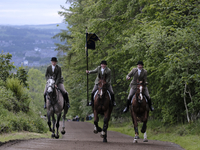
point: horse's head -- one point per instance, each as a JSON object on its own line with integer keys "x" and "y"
{"x": 50, "y": 85}
{"x": 140, "y": 91}
{"x": 102, "y": 86}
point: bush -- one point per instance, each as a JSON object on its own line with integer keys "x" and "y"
{"x": 19, "y": 92}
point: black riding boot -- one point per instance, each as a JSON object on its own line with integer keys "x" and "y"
{"x": 45, "y": 107}
{"x": 127, "y": 106}
{"x": 92, "y": 99}
{"x": 66, "y": 99}
{"x": 113, "y": 99}
{"x": 150, "y": 104}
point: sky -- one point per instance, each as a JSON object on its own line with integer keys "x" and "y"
{"x": 31, "y": 12}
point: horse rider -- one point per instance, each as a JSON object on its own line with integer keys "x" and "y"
{"x": 138, "y": 74}
{"x": 55, "y": 71}
{"x": 101, "y": 71}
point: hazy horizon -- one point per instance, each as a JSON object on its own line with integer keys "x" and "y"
{"x": 31, "y": 12}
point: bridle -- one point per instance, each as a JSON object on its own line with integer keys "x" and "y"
{"x": 101, "y": 89}
{"x": 139, "y": 95}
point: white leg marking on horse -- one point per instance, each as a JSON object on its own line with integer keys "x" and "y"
{"x": 135, "y": 141}
{"x": 141, "y": 93}
{"x": 103, "y": 133}
{"x": 101, "y": 93}
{"x": 95, "y": 128}
{"x": 145, "y": 137}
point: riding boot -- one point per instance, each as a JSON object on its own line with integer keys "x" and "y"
{"x": 127, "y": 105}
{"x": 66, "y": 99}
{"x": 113, "y": 99}
{"x": 45, "y": 107}
{"x": 92, "y": 99}
{"x": 150, "y": 104}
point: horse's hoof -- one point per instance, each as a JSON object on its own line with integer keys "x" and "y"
{"x": 62, "y": 132}
{"x": 105, "y": 140}
{"x": 136, "y": 137}
{"x": 145, "y": 140}
{"x": 53, "y": 135}
{"x": 57, "y": 137}
{"x": 135, "y": 141}
{"x": 95, "y": 131}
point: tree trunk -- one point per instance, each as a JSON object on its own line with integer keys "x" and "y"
{"x": 188, "y": 118}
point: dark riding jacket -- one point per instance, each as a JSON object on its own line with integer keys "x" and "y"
{"x": 57, "y": 74}
{"x": 134, "y": 74}
{"x": 107, "y": 72}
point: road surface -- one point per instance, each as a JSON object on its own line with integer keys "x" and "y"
{"x": 80, "y": 136}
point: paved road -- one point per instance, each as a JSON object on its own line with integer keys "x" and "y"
{"x": 80, "y": 136}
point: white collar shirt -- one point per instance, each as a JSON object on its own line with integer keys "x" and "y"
{"x": 139, "y": 71}
{"x": 53, "y": 68}
{"x": 102, "y": 70}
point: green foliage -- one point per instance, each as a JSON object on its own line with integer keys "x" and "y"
{"x": 36, "y": 81}
{"x": 16, "y": 112}
{"x": 5, "y": 65}
{"x": 22, "y": 76}
{"x": 163, "y": 34}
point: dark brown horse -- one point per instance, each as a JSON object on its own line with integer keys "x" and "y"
{"x": 103, "y": 106}
{"x": 139, "y": 111}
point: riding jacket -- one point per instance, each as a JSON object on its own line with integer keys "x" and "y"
{"x": 57, "y": 74}
{"x": 134, "y": 74}
{"x": 106, "y": 73}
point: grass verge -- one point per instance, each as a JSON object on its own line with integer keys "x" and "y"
{"x": 24, "y": 135}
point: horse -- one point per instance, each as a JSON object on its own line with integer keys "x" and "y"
{"x": 139, "y": 111}
{"x": 55, "y": 105}
{"x": 102, "y": 105}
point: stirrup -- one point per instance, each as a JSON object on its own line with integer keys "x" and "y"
{"x": 125, "y": 110}
{"x": 45, "y": 107}
{"x": 151, "y": 108}
{"x": 90, "y": 104}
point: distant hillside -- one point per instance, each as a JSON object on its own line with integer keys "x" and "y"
{"x": 58, "y": 26}
{"x": 21, "y": 40}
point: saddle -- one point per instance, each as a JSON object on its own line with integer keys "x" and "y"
{"x": 95, "y": 93}
{"x": 134, "y": 97}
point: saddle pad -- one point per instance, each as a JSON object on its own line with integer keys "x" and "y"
{"x": 134, "y": 96}
{"x": 107, "y": 91}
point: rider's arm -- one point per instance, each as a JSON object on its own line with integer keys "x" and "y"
{"x": 145, "y": 77}
{"x": 93, "y": 71}
{"x": 46, "y": 74}
{"x": 131, "y": 73}
{"x": 58, "y": 76}
{"x": 108, "y": 77}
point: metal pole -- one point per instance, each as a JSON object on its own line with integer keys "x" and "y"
{"x": 86, "y": 49}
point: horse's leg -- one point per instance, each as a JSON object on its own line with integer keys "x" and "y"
{"x": 105, "y": 125}
{"x": 57, "y": 125}
{"x": 144, "y": 126}
{"x": 145, "y": 137}
{"x": 64, "y": 116}
{"x": 96, "y": 119}
{"x": 135, "y": 126}
{"x": 49, "y": 120}
{"x": 54, "y": 121}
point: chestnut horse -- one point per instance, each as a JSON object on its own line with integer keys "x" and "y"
{"x": 102, "y": 105}
{"x": 139, "y": 110}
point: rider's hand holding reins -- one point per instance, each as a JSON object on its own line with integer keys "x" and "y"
{"x": 128, "y": 78}
{"x": 87, "y": 71}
